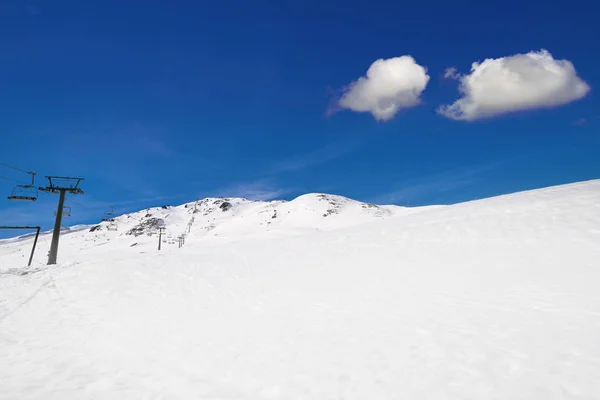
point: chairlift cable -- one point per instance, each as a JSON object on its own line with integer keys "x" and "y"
{"x": 15, "y": 168}
{"x": 9, "y": 179}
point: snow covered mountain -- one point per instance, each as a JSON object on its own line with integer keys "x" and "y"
{"x": 235, "y": 216}
{"x": 223, "y": 218}
{"x": 321, "y": 297}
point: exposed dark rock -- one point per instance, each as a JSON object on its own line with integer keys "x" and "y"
{"x": 329, "y": 212}
{"x": 147, "y": 227}
{"x": 209, "y": 227}
{"x": 96, "y": 228}
{"x": 225, "y": 206}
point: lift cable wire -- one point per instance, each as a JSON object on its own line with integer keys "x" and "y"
{"x": 15, "y": 168}
{"x": 9, "y": 179}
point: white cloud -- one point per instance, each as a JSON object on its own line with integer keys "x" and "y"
{"x": 389, "y": 86}
{"x": 451, "y": 73}
{"x": 514, "y": 83}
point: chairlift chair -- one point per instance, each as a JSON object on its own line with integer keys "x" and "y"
{"x": 112, "y": 225}
{"x": 25, "y": 192}
{"x": 108, "y": 217}
{"x": 66, "y": 211}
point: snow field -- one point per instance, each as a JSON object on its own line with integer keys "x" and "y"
{"x": 492, "y": 299}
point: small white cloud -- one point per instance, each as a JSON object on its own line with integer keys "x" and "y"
{"x": 580, "y": 122}
{"x": 451, "y": 73}
{"x": 514, "y": 83}
{"x": 389, "y": 86}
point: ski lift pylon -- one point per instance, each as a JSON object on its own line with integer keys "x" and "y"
{"x": 25, "y": 192}
{"x": 112, "y": 225}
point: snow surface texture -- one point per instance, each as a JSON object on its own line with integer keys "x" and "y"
{"x": 491, "y": 299}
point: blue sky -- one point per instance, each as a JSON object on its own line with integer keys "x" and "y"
{"x": 160, "y": 102}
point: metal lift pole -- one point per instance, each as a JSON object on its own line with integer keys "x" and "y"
{"x": 160, "y": 232}
{"x": 60, "y": 185}
{"x": 57, "y": 223}
{"x": 37, "y": 234}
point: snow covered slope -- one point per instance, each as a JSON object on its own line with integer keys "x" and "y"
{"x": 496, "y": 298}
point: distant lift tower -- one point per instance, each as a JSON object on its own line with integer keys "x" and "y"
{"x": 110, "y": 218}
{"x": 62, "y": 186}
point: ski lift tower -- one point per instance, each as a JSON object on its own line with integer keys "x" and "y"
{"x": 62, "y": 186}
{"x": 109, "y": 216}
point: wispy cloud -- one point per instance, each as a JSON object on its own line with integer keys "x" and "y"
{"x": 113, "y": 156}
{"x": 94, "y": 204}
{"x": 315, "y": 157}
{"x": 39, "y": 213}
{"x": 580, "y": 122}
{"x": 33, "y": 11}
{"x": 19, "y": 216}
{"x": 255, "y": 190}
{"x": 148, "y": 140}
{"x": 451, "y": 73}
{"x": 266, "y": 188}
{"x": 84, "y": 210}
{"x": 415, "y": 190}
